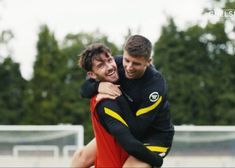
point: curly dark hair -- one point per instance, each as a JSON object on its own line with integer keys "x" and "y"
{"x": 92, "y": 52}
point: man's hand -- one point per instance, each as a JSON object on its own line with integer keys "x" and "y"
{"x": 101, "y": 96}
{"x": 109, "y": 88}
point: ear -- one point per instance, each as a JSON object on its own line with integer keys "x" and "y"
{"x": 91, "y": 75}
{"x": 150, "y": 61}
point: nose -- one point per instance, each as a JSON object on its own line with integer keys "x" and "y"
{"x": 109, "y": 66}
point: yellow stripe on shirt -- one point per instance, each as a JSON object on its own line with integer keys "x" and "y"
{"x": 157, "y": 148}
{"x": 149, "y": 108}
{"x": 114, "y": 115}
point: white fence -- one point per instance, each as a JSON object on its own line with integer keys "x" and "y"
{"x": 55, "y": 140}
{"x": 202, "y": 146}
{"x": 53, "y": 146}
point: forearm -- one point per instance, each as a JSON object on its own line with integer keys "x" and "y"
{"x": 138, "y": 150}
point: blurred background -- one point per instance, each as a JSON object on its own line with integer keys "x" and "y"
{"x": 193, "y": 46}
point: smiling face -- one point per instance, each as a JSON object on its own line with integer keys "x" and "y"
{"x": 135, "y": 66}
{"x": 104, "y": 68}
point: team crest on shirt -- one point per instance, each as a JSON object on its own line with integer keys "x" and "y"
{"x": 153, "y": 96}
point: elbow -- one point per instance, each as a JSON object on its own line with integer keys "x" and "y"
{"x": 82, "y": 94}
{"x": 85, "y": 94}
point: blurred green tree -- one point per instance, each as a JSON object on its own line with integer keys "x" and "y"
{"x": 12, "y": 87}
{"x": 199, "y": 70}
{"x": 44, "y": 88}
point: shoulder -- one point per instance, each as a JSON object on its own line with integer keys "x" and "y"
{"x": 121, "y": 71}
{"x": 118, "y": 59}
{"x": 155, "y": 79}
{"x": 106, "y": 104}
{"x": 156, "y": 83}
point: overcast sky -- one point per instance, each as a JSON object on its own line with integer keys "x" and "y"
{"x": 111, "y": 17}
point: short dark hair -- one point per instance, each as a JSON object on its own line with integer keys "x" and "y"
{"x": 137, "y": 45}
{"x": 91, "y": 52}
